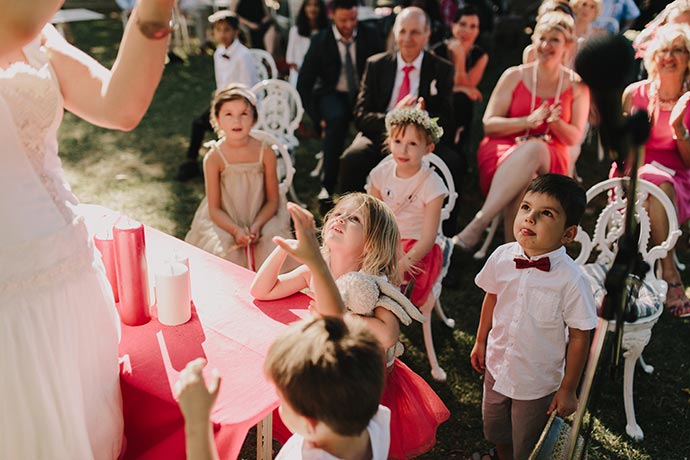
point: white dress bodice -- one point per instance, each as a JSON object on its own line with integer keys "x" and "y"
{"x": 35, "y": 199}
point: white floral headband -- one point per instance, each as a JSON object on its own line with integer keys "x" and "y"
{"x": 413, "y": 116}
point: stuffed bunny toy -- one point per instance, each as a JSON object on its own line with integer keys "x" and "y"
{"x": 362, "y": 293}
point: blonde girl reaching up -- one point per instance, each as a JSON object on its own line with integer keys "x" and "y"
{"x": 242, "y": 209}
{"x": 360, "y": 235}
{"x": 415, "y": 194}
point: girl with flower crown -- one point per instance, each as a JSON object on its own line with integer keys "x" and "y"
{"x": 242, "y": 209}
{"x": 415, "y": 194}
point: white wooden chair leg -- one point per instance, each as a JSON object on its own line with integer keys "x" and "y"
{"x": 632, "y": 353}
{"x": 647, "y": 368}
{"x": 295, "y": 198}
{"x": 316, "y": 172}
{"x": 436, "y": 371}
{"x": 450, "y": 322}
{"x": 481, "y": 253}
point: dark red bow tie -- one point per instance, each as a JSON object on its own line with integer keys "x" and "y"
{"x": 543, "y": 264}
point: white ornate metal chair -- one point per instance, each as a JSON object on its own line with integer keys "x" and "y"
{"x": 433, "y": 302}
{"x": 265, "y": 64}
{"x": 280, "y": 112}
{"x": 286, "y": 171}
{"x": 609, "y": 227}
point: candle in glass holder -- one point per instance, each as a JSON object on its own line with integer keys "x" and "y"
{"x": 106, "y": 246}
{"x": 132, "y": 272}
{"x": 173, "y": 295}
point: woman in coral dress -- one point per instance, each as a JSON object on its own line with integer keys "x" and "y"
{"x": 535, "y": 112}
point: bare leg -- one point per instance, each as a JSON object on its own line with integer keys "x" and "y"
{"x": 505, "y": 451}
{"x": 270, "y": 40}
{"x": 527, "y": 160}
{"x": 676, "y": 299}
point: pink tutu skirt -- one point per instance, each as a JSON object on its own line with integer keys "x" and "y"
{"x": 416, "y": 412}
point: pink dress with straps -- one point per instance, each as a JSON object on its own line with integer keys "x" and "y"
{"x": 494, "y": 150}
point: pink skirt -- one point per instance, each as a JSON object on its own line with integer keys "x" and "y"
{"x": 430, "y": 267}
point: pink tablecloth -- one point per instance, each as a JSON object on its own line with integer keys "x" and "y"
{"x": 228, "y": 328}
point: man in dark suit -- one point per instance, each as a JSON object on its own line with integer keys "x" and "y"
{"x": 329, "y": 79}
{"x": 408, "y": 77}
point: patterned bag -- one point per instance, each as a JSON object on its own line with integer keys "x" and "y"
{"x": 553, "y": 442}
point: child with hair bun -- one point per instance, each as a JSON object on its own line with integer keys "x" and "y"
{"x": 242, "y": 209}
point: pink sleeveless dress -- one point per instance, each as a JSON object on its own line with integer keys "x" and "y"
{"x": 493, "y": 151}
{"x": 662, "y": 161}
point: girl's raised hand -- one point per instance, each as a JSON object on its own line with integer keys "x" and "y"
{"x": 306, "y": 247}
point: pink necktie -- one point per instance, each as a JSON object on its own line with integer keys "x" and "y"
{"x": 405, "y": 86}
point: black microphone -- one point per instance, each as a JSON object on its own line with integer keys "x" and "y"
{"x": 607, "y": 64}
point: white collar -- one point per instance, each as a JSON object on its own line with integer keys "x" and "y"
{"x": 553, "y": 256}
{"x": 339, "y": 37}
{"x": 417, "y": 63}
{"x": 230, "y": 49}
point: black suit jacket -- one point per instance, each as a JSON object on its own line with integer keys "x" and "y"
{"x": 436, "y": 76}
{"x": 320, "y": 70}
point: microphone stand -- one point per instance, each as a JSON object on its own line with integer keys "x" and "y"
{"x": 622, "y": 284}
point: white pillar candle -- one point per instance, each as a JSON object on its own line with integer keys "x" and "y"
{"x": 173, "y": 295}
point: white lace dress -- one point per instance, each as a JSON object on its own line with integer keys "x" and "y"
{"x": 59, "y": 384}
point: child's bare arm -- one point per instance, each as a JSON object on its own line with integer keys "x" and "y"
{"x": 478, "y": 354}
{"x": 375, "y": 192}
{"x": 196, "y": 400}
{"x": 384, "y": 325}
{"x": 432, "y": 219}
{"x": 270, "y": 206}
{"x": 565, "y": 400}
{"x": 306, "y": 249}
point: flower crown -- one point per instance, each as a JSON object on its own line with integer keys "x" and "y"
{"x": 413, "y": 116}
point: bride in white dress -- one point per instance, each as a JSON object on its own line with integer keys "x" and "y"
{"x": 59, "y": 383}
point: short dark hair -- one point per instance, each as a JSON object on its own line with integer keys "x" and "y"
{"x": 343, "y": 4}
{"x": 227, "y": 16}
{"x": 566, "y": 191}
{"x": 467, "y": 10}
{"x": 329, "y": 369}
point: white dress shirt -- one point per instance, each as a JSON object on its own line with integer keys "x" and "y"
{"x": 525, "y": 351}
{"x": 415, "y": 74}
{"x": 234, "y": 64}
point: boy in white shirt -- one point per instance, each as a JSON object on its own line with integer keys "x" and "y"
{"x": 534, "y": 291}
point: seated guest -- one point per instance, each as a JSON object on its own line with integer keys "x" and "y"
{"x": 407, "y": 78}
{"x": 469, "y": 61}
{"x": 535, "y": 112}
{"x": 254, "y": 15}
{"x": 667, "y": 152}
{"x": 232, "y": 63}
{"x": 329, "y": 80}
{"x": 311, "y": 19}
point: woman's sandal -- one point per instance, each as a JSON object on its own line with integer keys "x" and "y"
{"x": 677, "y": 302}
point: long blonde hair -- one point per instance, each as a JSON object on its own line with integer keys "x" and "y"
{"x": 381, "y": 235}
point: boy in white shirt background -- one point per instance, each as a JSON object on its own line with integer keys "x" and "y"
{"x": 538, "y": 311}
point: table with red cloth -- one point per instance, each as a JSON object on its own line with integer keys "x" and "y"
{"x": 228, "y": 328}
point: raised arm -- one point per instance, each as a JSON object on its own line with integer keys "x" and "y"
{"x": 116, "y": 98}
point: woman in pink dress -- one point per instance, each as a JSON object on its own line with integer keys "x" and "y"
{"x": 535, "y": 112}
{"x": 665, "y": 96}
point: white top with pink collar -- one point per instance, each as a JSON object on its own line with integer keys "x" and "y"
{"x": 296, "y": 448}
{"x": 525, "y": 350}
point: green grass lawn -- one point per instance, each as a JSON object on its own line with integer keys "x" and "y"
{"x": 133, "y": 173}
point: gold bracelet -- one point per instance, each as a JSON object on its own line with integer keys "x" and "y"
{"x": 155, "y": 30}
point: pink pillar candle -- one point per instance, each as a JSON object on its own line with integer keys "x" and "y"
{"x": 105, "y": 245}
{"x": 132, "y": 272}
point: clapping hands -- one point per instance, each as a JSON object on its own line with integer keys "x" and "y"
{"x": 544, "y": 113}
